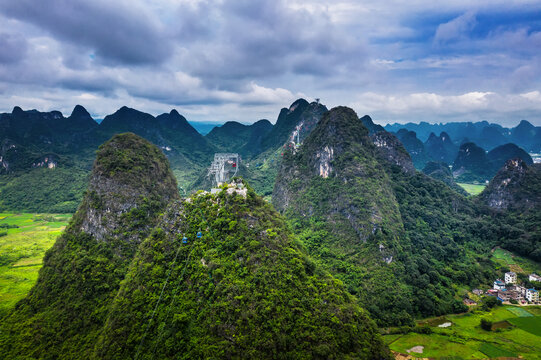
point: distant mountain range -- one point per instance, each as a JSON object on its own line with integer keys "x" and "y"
{"x": 468, "y": 160}
{"x": 32, "y": 142}
{"x": 482, "y": 133}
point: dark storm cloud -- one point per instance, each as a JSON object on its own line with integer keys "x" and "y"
{"x": 114, "y": 32}
{"x": 12, "y": 48}
{"x": 263, "y": 39}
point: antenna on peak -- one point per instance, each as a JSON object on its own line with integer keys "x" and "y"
{"x": 224, "y": 167}
{"x": 317, "y": 101}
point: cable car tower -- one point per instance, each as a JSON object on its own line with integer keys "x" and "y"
{"x": 224, "y": 167}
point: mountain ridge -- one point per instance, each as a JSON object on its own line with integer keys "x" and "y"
{"x": 242, "y": 289}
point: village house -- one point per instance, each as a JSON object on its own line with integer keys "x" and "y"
{"x": 469, "y": 302}
{"x": 477, "y": 292}
{"x": 515, "y": 295}
{"x": 504, "y": 295}
{"x": 517, "y": 288}
{"x": 532, "y": 295}
{"x": 510, "y": 277}
{"x": 534, "y": 277}
{"x": 499, "y": 285}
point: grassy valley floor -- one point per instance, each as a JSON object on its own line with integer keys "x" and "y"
{"x": 24, "y": 239}
{"x": 472, "y": 189}
{"x": 516, "y": 331}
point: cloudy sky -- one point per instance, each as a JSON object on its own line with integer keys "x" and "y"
{"x": 243, "y": 60}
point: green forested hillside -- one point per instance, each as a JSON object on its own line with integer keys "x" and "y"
{"x": 514, "y": 196}
{"x": 242, "y": 290}
{"x": 65, "y": 311}
{"x": 123, "y": 282}
{"x": 58, "y": 190}
{"x": 236, "y": 137}
{"x": 360, "y": 229}
{"x": 400, "y": 241}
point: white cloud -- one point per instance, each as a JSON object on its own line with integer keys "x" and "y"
{"x": 462, "y": 107}
{"x": 456, "y": 28}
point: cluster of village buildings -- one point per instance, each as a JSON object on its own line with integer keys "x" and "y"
{"x": 509, "y": 289}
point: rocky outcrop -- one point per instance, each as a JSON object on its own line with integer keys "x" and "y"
{"x": 515, "y": 186}
{"x": 301, "y": 116}
{"x": 392, "y": 150}
{"x": 49, "y": 161}
{"x": 324, "y": 157}
{"x": 130, "y": 179}
{"x": 340, "y": 152}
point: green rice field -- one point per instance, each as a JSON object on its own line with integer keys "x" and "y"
{"x": 464, "y": 339}
{"x": 530, "y": 324}
{"x": 494, "y": 352}
{"x": 472, "y": 189}
{"x": 519, "y": 312}
{"x": 27, "y": 237}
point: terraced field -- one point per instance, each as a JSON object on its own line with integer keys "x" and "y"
{"x": 464, "y": 339}
{"x": 515, "y": 263}
{"x": 26, "y": 238}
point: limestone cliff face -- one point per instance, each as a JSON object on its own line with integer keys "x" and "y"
{"x": 5, "y": 147}
{"x": 301, "y": 116}
{"x": 337, "y": 175}
{"x": 392, "y": 150}
{"x": 515, "y": 186}
{"x": 130, "y": 180}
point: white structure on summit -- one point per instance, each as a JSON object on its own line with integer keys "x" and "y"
{"x": 224, "y": 167}
{"x": 510, "y": 277}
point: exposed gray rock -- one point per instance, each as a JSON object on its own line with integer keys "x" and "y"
{"x": 516, "y": 186}
{"x": 124, "y": 197}
{"x": 392, "y": 150}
